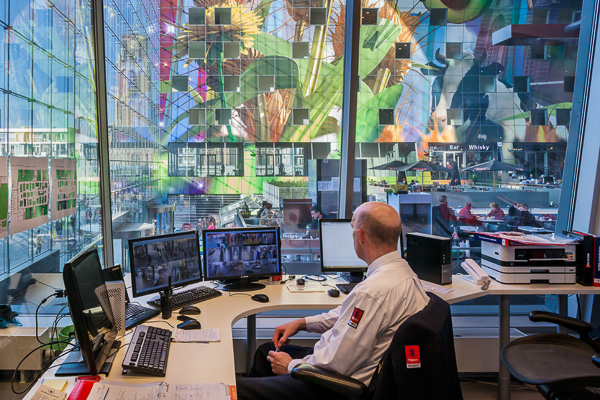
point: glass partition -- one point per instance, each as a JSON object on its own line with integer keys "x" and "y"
{"x": 49, "y": 205}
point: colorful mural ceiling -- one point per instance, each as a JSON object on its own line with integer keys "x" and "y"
{"x": 433, "y": 71}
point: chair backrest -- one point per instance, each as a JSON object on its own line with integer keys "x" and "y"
{"x": 440, "y": 226}
{"x": 421, "y": 362}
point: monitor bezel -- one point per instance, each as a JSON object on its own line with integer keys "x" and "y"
{"x": 160, "y": 237}
{"x": 253, "y": 277}
{"x": 325, "y": 269}
{"x": 80, "y": 324}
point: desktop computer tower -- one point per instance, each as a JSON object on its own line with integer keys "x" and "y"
{"x": 430, "y": 257}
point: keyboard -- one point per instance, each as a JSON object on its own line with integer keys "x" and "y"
{"x": 191, "y": 296}
{"x": 346, "y": 287}
{"x": 135, "y": 314}
{"x": 148, "y": 351}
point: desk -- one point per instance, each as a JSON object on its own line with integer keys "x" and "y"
{"x": 214, "y": 362}
{"x": 532, "y": 229}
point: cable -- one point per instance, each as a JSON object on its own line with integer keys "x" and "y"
{"x": 54, "y": 327}
{"x": 57, "y": 293}
{"x": 316, "y": 278}
{"x": 43, "y": 368}
{"x": 36, "y": 317}
{"x": 239, "y": 294}
{"x": 40, "y": 373}
{"x": 327, "y": 284}
{"x": 150, "y": 322}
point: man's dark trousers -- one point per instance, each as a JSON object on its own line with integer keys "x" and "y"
{"x": 262, "y": 384}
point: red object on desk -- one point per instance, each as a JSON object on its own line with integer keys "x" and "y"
{"x": 83, "y": 387}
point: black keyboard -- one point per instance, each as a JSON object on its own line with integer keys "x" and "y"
{"x": 136, "y": 314}
{"x": 148, "y": 351}
{"x": 191, "y": 296}
{"x": 346, "y": 287}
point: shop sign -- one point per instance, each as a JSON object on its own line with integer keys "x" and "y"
{"x": 446, "y": 146}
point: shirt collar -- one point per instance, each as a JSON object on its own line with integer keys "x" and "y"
{"x": 383, "y": 260}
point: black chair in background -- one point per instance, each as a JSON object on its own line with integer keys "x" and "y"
{"x": 560, "y": 365}
{"x": 435, "y": 378}
{"x": 440, "y": 226}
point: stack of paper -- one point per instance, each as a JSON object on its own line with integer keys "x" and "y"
{"x": 197, "y": 335}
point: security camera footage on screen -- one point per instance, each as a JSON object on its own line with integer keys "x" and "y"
{"x": 157, "y": 259}
{"x": 238, "y": 254}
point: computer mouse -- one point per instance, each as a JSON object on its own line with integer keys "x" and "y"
{"x": 191, "y": 324}
{"x": 333, "y": 293}
{"x": 184, "y": 318}
{"x": 262, "y": 298}
{"x": 300, "y": 281}
{"x": 192, "y": 310}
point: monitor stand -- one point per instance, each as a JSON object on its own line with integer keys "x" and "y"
{"x": 353, "y": 277}
{"x": 74, "y": 366}
{"x": 242, "y": 285}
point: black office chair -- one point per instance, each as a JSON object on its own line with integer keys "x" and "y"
{"x": 560, "y": 365}
{"x": 440, "y": 226}
{"x": 435, "y": 378}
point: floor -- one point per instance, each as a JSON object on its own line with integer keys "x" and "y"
{"x": 472, "y": 390}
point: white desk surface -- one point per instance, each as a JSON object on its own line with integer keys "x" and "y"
{"x": 214, "y": 362}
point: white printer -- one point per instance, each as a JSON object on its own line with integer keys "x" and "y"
{"x": 508, "y": 261}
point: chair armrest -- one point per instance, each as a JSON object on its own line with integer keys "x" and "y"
{"x": 574, "y": 324}
{"x": 334, "y": 381}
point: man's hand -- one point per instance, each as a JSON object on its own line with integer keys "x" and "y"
{"x": 279, "y": 362}
{"x": 283, "y": 332}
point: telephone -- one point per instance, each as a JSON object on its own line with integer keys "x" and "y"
{"x": 479, "y": 277}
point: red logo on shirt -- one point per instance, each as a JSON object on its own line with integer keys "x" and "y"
{"x": 413, "y": 356}
{"x": 355, "y": 318}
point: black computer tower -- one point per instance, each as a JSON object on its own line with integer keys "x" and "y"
{"x": 430, "y": 256}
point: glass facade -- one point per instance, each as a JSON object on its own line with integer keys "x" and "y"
{"x": 131, "y": 35}
{"x": 47, "y": 126}
{"x": 217, "y": 103}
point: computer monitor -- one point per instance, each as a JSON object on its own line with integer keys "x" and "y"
{"x": 154, "y": 258}
{"x": 91, "y": 315}
{"x": 296, "y": 214}
{"x": 240, "y": 256}
{"x": 337, "y": 249}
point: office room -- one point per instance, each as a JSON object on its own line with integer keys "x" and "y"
{"x": 194, "y": 167}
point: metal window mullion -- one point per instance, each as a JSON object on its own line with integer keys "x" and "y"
{"x": 350, "y": 91}
{"x": 102, "y": 126}
{"x": 575, "y": 144}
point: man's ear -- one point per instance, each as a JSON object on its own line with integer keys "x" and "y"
{"x": 362, "y": 238}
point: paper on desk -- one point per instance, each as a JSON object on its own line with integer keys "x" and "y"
{"x": 433, "y": 288}
{"x": 45, "y": 392}
{"x": 306, "y": 288}
{"x": 119, "y": 390}
{"x": 198, "y": 391}
{"x": 197, "y": 335}
{"x": 159, "y": 390}
{"x": 58, "y": 384}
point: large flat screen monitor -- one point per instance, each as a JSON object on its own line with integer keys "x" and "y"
{"x": 337, "y": 249}
{"x": 153, "y": 259}
{"x": 242, "y": 255}
{"x": 91, "y": 314}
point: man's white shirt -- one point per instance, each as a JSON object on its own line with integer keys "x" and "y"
{"x": 356, "y": 334}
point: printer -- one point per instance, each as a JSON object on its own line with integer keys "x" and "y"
{"x": 508, "y": 261}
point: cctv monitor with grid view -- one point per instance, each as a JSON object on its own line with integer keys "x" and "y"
{"x": 239, "y": 256}
{"x": 156, "y": 258}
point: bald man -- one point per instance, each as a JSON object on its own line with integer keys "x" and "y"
{"x": 355, "y": 335}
